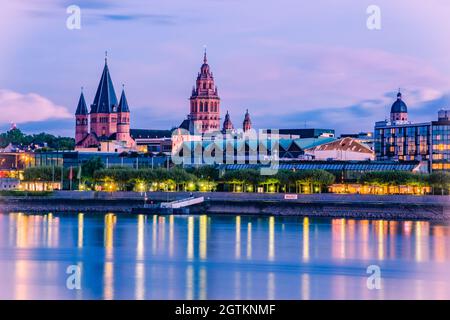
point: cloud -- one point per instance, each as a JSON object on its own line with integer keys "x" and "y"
{"x": 20, "y": 108}
{"x": 150, "y": 18}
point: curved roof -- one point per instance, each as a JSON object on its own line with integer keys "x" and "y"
{"x": 399, "y": 106}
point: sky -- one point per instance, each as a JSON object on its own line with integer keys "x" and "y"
{"x": 291, "y": 63}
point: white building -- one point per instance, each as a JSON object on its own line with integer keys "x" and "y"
{"x": 342, "y": 149}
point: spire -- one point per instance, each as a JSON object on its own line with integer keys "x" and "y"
{"x": 227, "y": 124}
{"x": 105, "y": 100}
{"x": 81, "y": 108}
{"x": 205, "y": 59}
{"x": 247, "y": 124}
{"x": 123, "y": 103}
{"x": 399, "y": 94}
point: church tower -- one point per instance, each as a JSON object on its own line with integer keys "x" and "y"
{"x": 227, "y": 124}
{"x": 205, "y": 101}
{"x": 104, "y": 108}
{"x": 123, "y": 119}
{"x": 399, "y": 110}
{"x": 247, "y": 125}
{"x": 81, "y": 119}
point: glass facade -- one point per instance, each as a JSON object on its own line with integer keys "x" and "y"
{"x": 403, "y": 142}
{"x": 75, "y": 158}
{"x": 441, "y": 145}
{"x": 428, "y": 142}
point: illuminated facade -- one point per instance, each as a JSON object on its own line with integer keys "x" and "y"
{"x": 440, "y": 141}
{"x": 401, "y": 140}
{"x": 106, "y": 127}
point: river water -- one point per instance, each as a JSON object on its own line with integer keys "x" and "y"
{"x": 108, "y": 256}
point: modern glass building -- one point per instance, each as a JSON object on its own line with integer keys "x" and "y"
{"x": 440, "y": 140}
{"x": 401, "y": 140}
{"x": 110, "y": 159}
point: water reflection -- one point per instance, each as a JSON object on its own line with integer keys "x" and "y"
{"x": 140, "y": 264}
{"x": 284, "y": 257}
{"x": 238, "y": 238}
{"x": 108, "y": 271}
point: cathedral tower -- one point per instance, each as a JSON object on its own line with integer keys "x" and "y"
{"x": 247, "y": 124}
{"x": 227, "y": 124}
{"x": 81, "y": 119}
{"x": 104, "y": 108}
{"x": 123, "y": 119}
{"x": 205, "y": 101}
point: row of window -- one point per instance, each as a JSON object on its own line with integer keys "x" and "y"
{"x": 102, "y": 120}
{"x": 204, "y": 106}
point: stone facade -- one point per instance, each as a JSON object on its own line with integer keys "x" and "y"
{"x": 108, "y": 121}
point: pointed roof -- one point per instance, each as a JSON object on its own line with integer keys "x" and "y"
{"x": 123, "y": 103}
{"x": 227, "y": 124}
{"x": 81, "y": 108}
{"x": 105, "y": 100}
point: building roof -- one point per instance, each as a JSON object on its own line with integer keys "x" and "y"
{"x": 307, "y": 132}
{"x": 105, "y": 100}
{"x": 149, "y": 134}
{"x": 334, "y": 166}
{"x": 399, "y": 106}
{"x": 81, "y": 108}
{"x": 227, "y": 124}
{"x": 308, "y": 143}
{"x": 345, "y": 144}
{"x": 123, "y": 103}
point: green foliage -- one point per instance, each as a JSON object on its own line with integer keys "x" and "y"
{"x": 17, "y": 137}
{"x": 440, "y": 181}
{"x": 91, "y": 166}
{"x": 204, "y": 172}
{"x": 42, "y": 174}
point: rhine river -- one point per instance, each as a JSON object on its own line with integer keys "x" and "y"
{"x": 220, "y": 257}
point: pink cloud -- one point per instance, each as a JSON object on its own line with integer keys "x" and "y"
{"x": 31, "y": 107}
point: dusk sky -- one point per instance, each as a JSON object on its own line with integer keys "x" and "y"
{"x": 291, "y": 63}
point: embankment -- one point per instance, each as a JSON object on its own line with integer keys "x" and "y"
{"x": 326, "y": 205}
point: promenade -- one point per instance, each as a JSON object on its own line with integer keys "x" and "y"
{"x": 328, "y": 205}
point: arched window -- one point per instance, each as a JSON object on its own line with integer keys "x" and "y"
{"x": 204, "y": 85}
{"x": 201, "y": 106}
{"x": 206, "y": 106}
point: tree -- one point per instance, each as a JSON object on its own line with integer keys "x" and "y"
{"x": 91, "y": 166}
{"x": 440, "y": 180}
{"x": 17, "y": 137}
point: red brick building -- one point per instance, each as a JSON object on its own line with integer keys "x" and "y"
{"x": 108, "y": 121}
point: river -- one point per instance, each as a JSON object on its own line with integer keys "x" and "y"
{"x": 108, "y": 256}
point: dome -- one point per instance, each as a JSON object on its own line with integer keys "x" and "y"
{"x": 399, "y": 106}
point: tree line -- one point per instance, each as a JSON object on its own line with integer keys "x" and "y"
{"x": 208, "y": 178}
{"x": 17, "y": 137}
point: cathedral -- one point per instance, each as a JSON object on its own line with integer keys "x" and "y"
{"x": 204, "y": 112}
{"x": 106, "y": 127}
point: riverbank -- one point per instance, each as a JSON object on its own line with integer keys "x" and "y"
{"x": 398, "y": 207}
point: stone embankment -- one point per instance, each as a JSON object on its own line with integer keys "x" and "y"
{"x": 326, "y": 205}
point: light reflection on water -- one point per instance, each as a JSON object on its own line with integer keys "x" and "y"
{"x": 213, "y": 257}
